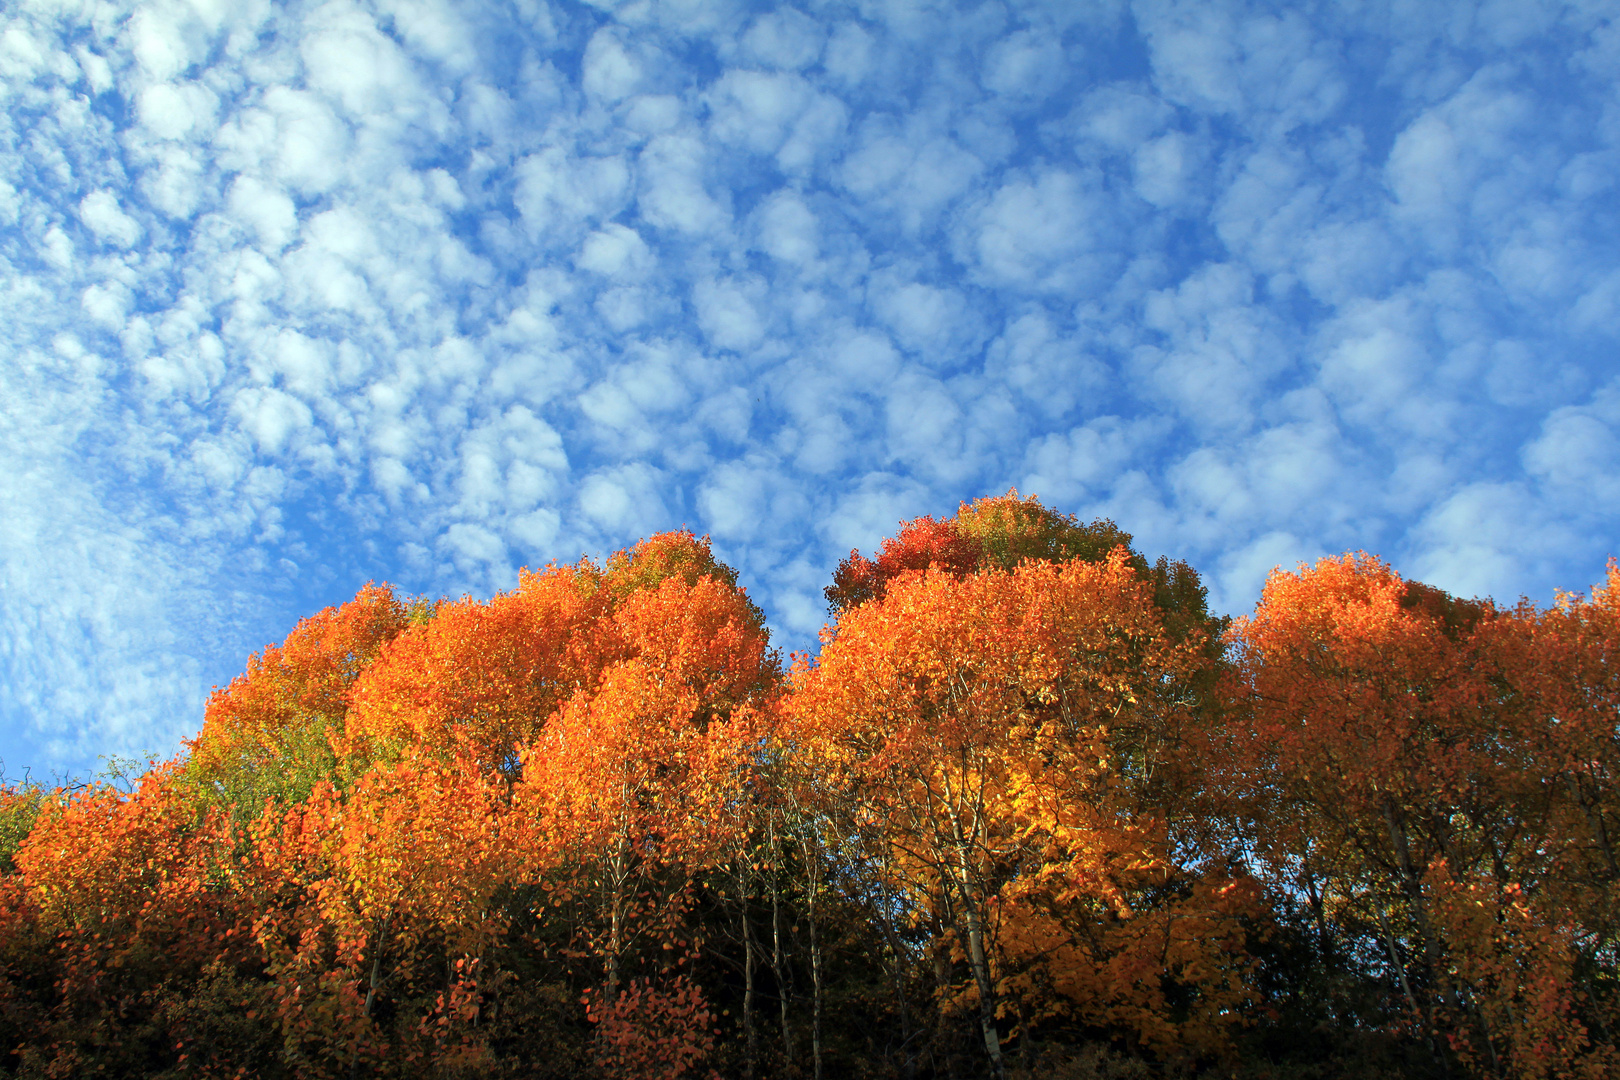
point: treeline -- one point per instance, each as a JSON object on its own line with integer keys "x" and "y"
{"x": 1031, "y": 812}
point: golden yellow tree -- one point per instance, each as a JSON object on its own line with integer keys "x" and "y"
{"x": 964, "y": 722}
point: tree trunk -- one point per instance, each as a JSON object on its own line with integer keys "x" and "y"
{"x": 371, "y": 989}
{"x": 617, "y": 874}
{"x": 750, "y": 1034}
{"x": 1425, "y": 1015}
{"x": 987, "y": 990}
{"x": 778, "y": 955}
{"x": 813, "y": 872}
{"x": 941, "y": 959}
{"x": 897, "y": 948}
{"x": 977, "y": 958}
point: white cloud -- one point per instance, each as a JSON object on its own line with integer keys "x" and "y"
{"x": 937, "y": 324}
{"x": 163, "y": 47}
{"x": 753, "y": 109}
{"x": 509, "y": 466}
{"x": 1376, "y": 359}
{"x": 535, "y": 532}
{"x": 1067, "y": 466}
{"x": 1274, "y": 200}
{"x": 1270, "y": 71}
{"x": 1056, "y": 375}
{"x": 609, "y": 71}
{"x": 788, "y": 229}
{"x": 871, "y": 508}
{"x": 673, "y": 193}
{"x": 1483, "y": 538}
{"x": 1120, "y": 118}
{"x": 175, "y": 183}
{"x": 557, "y": 192}
{"x": 1578, "y": 453}
{"x": 57, "y": 248}
{"x": 1168, "y": 170}
{"x": 1456, "y": 164}
{"x": 1029, "y": 63}
{"x": 293, "y": 136}
{"x": 625, "y": 501}
{"x": 472, "y": 548}
{"x": 303, "y": 364}
{"x": 264, "y": 209}
{"x": 20, "y": 53}
{"x": 174, "y": 112}
{"x": 784, "y": 38}
{"x": 1341, "y": 261}
{"x": 102, "y": 215}
{"x": 439, "y": 29}
{"x": 924, "y": 419}
{"x": 774, "y": 113}
{"x": 1045, "y": 233}
{"x": 653, "y": 114}
{"x": 99, "y": 611}
{"x": 735, "y": 499}
{"x": 107, "y": 304}
{"x": 1236, "y": 582}
{"x": 633, "y": 392}
{"x": 914, "y": 175}
{"x": 729, "y": 313}
{"x": 616, "y": 251}
{"x": 1220, "y": 350}
{"x": 272, "y": 417}
{"x": 849, "y": 53}
{"x": 350, "y": 60}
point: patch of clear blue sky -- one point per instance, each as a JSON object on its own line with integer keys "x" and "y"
{"x": 298, "y": 296}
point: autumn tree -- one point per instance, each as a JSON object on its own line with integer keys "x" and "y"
{"x": 973, "y": 717}
{"x": 481, "y": 677}
{"x": 998, "y": 532}
{"x": 623, "y": 769}
{"x": 485, "y": 676}
{"x": 1559, "y": 681}
{"x": 268, "y": 734}
{"x": 1402, "y": 769}
{"x": 635, "y": 778}
{"x": 379, "y": 916}
{"x": 20, "y": 807}
{"x": 1031, "y": 811}
{"x": 1001, "y": 532}
{"x": 129, "y": 898}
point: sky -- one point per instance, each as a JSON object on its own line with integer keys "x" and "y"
{"x": 297, "y": 296}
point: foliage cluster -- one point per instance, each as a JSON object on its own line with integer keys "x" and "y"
{"x": 1032, "y": 812}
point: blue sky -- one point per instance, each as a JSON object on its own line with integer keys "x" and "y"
{"x": 297, "y": 296}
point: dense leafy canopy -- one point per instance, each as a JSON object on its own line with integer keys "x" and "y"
{"x": 1031, "y": 812}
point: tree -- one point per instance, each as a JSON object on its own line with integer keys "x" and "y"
{"x": 481, "y": 678}
{"x": 268, "y": 734}
{"x": 965, "y": 722}
{"x": 997, "y": 532}
{"x": 1397, "y": 771}
{"x": 484, "y": 677}
{"x": 381, "y": 901}
{"x": 130, "y": 897}
{"x": 634, "y": 779}
{"x": 1027, "y": 799}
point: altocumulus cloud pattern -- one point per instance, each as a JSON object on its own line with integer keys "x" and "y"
{"x": 297, "y": 295}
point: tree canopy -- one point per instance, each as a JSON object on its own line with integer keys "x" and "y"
{"x": 1032, "y": 811}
